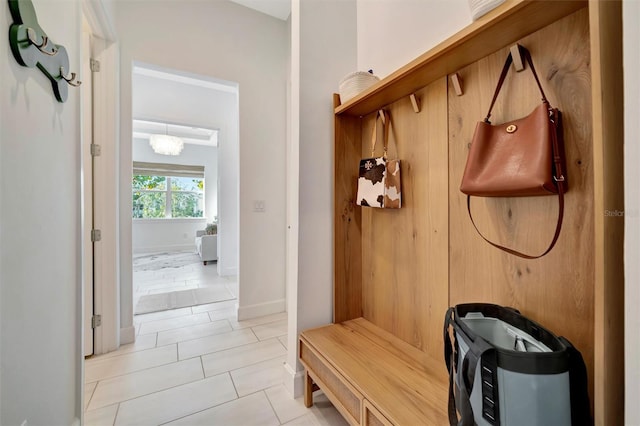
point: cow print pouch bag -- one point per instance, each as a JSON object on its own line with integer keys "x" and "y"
{"x": 379, "y": 178}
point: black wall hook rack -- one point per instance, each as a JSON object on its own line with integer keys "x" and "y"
{"x": 32, "y": 47}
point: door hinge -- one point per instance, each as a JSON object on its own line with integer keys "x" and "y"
{"x": 96, "y": 321}
{"x": 95, "y": 65}
{"x": 96, "y": 150}
{"x": 96, "y": 235}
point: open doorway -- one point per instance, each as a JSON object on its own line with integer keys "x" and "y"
{"x": 184, "y": 207}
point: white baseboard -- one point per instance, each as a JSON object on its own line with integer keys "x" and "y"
{"x": 161, "y": 249}
{"x": 127, "y": 335}
{"x": 293, "y": 381}
{"x": 261, "y": 309}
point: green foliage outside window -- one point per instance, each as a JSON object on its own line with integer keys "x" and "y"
{"x": 152, "y": 199}
{"x": 149, "y": 182}
{"x": 149, "y": 204}
{"x": 185, "y": 204}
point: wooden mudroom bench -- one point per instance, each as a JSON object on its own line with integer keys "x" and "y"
{"x": 396, "y": 271}
{"x": 372, "y": 377}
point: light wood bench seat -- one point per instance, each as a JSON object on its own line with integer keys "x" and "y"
{"x": 372, "y": 377}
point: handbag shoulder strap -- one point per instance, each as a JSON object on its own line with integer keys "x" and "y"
{"x": 449, "y": 361}
{"x": 478, "y": 352}
{"x": 505, "y": 69}
{"x": 579, "y": 394}
{"x": 515, "y": 252}
{"x": 386, "y": 124}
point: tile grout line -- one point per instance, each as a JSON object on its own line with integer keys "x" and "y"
{"x": 263, "y": 323}
{"x": 271, "y": 405}
{"x": 219, "y": 350}
{"x": 150, "y": 393}
{"x": 254, "y": 333}
{"x": 299, "y": 417}
{"x": 136, "y": 371}
{"x": 181, "y": 326}
{"x": 196, "y": 412}
{"x": 91, "y": 397}
{"x": 185, "y": 314}
{"x": 160, "y": 319}
{"x": 251, "y": 365}
{"x": 283, "y": 345}
{"x": 234, "y": 385}
{"x": 115, "y": 356}
{"x": 200, "y": 337}
{"x": 116, "y": 416}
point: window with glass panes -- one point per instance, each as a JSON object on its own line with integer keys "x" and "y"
{"x": 167, "y": 191}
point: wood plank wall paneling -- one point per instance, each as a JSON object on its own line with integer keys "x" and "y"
{"x": 558, "y": 289}
{"x": 405, "y": 251}
{"x": 347, "y": 303}
{"x": 401, "y": 269}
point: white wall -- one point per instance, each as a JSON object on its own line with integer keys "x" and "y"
{"x": 226, "y": 41}
{"x": 229, "y": 175}
{"x": 320, "y": 56}
{"x": 631, "y": 35}
{"x": 165, "y": 235}
{"x": 159, "y": 99}
{"x": 162, "y": 99}
{"x": 155, "y": 235}
{"x": 40, "y": 249}
{"x": 392, "y": 33}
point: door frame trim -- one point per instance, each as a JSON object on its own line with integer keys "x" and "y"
{"x": 86, "y": 168}
{"x": 106, "y": 200}
{"x": 99, "y": 17}
{"x": 106, "y": 175}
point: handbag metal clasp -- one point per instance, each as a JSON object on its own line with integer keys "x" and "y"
{"x": 559, "y": 179}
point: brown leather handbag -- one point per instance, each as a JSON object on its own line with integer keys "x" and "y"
{"x": 521, "y": 158}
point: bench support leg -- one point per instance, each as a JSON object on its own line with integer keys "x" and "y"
{"x": 308, "y": 390}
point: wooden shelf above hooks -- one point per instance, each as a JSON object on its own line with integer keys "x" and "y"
{"x": 506, "y": 24}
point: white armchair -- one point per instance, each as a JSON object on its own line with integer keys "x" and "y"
{"x": 207, "y": 246}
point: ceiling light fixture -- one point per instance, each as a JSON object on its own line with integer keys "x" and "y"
{"x": 165, "y": 144}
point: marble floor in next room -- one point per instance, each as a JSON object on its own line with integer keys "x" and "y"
{"x": 198, "y": 366}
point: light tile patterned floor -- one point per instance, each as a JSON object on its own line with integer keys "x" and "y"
{"x": 198, "y": 365}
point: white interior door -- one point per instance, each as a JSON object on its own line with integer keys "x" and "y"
{"x": 87, "y": 190}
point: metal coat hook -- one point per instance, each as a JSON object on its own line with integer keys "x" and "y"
{"x": 32, "y": 37}
{"x": 71, "y": 80}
